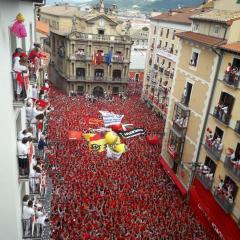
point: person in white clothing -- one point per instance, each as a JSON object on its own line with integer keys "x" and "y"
{"x": 28, "y": 213}
{"x": 26, "y": 133}
{"x": 23, "y": 157}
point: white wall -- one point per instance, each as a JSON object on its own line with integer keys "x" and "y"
{"x": 10, "y": 200}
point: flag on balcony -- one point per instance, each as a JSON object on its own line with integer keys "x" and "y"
{"x": 109, "y": 57}
{"x": 99, "y": 57}
{"x": 94, "y": 58}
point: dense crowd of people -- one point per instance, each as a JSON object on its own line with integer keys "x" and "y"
{"x": 95, "y": 197}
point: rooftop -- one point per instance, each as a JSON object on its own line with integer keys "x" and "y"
{"x": 178, "y": 16}
{"x": 62, "y": 10}
{"x": 216, "y": 15}
{"x": 201, "y": 38}
{"x": 42, "y": 27}
{"x": 232, "y": 47}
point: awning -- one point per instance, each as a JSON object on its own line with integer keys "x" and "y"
{"x": 174, "y": 178}
{"x": 210, "y": 214}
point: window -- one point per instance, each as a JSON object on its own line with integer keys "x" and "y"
{"x": 80, "y": 89}
{"x": 161, "y": 33}
{"x": 216, "y": 29}
{"x": 194, "y": 60}
{"x": 167, "y": 33}
{"x": 186, "y": 94}
{"x": 169, "y": 64}
{"x": 173, "y": 36}
{"x": 115, "y": 90}
{"x": 80, "y": 72}
{"x": 166, "y": 44}
{"x": 155, "y": 30}
{"x": 101, "y": 32}
{"x": 195, "y": 27}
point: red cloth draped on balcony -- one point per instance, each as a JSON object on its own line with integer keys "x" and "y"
{"x": 19, "y": 78}
{"x": 94, "y": 61}
{"x": 99, "y": 57}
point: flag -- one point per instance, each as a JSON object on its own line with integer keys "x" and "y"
{"x": 99, "y": 57}
{"x": 113, "y": 155}
{"x": 74, "y": 135}
{"x": 109, "y": 57}
{"x": 132, "y": 133}
{"x": 96, "y": 141}
{"x": 94, "y": 58}
{"x": 95, "y": 121}
{"x": 111, "y": 118}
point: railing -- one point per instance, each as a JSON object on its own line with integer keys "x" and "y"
{"x": 237, "y": 127}
{"x": 100, "y": 37}
{"x": 231, "y": 79}
{"x": 23, "y": 166}
{"x": 233, "y": 167}
{"x": 223, "y": 201}
{"x": 31, "y": 230}
{"x": 20, "y": 93}
{"x": 78, "y": 57}
{"x": 100, "y": 79}
{"x": 211, "y": 149}
{"x": 118, "y": 59}
{"x": 167, "y": 54}
{"x": 207, "y": 183}
{"x": 80, "y": 78}
{"x": 221, "y": 115}
{"x": 35, "y": 185}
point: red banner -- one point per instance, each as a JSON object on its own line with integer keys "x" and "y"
{"x": 211, "y": 215}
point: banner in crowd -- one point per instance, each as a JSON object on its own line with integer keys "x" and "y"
{"x": 133, "y": 133}
{"x": 96, "y": 141}
{"x": 113, "y": 155}
{"x": 74, "y": 135}
{"x": 110, "y": 118}
{"x": 95, "y": 121}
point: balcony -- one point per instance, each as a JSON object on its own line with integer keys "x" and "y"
{"x": 231, "y": 80}
{"x": 23, "y": 167}
{"x": 206, "y": 182}
{"x": 81, "y": 57}
{"x": 221, "y": 116}
{"x": 167, "y": 73}
{"x": 161, "y": 69}
{"x": 118, "y": 59}
{"x": 100, "y": 79}
{"x": 35, "y": 185}
{"x": 213, "y": 150}
{"x": 31, "y": 230}
{"x": 223, "y": 201}
{"x": 185, "y": 100}
{"x": 233, "y": 167}
{"x": 164, "y": 52}
{"x": 155, "y": 66}
{"x": 101, "y": 38}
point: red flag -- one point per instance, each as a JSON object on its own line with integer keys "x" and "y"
{"x": 74, "y": 135}
{"x": 99, "y": 57}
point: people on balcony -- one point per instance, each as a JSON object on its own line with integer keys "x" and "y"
{"x": 23, "y": 162}
{"x": 229, "y": 68}
{"x": 26, "y": 133}
{"x": 19, "y": 68}
{"x": 222, "y": 112}
{"x": 225, "y": 190}
{"x": 206, "y": 171}
{"x": 28, "y": 215}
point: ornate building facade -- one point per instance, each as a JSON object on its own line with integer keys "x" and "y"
{"x": 90, "y": 51}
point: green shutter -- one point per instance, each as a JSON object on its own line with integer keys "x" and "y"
{"x": 238, "y": 1}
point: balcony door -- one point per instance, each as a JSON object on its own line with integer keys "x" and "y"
{"x": 117, "y": 75}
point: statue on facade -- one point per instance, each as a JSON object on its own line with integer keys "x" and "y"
{"x": 74, "y": 24}
{"x": 127, "y": 27}
{"x": 101, "y": 3}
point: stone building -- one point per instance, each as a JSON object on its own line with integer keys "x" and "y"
{"x": 201, "y": 146}
{"x": 90, "y": 50}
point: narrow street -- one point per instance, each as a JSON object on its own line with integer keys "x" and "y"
{"x": 96, "y": 197}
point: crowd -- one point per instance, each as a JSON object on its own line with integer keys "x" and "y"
{"x": 98, "y": 198}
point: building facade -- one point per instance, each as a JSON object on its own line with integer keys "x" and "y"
{"x": 90, "y": 52}
{"x": 162, "y": 56}
{"x": 200, "y": 144}
{"x": 12, "y": 187}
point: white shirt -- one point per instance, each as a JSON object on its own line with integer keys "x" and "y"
{"x": 27, "y": 212}
{"x": 36, "y": 112}
{"x": 29, "y": 113}
{"x": 17, "y": 67}
{"x": 21, "y": 135}
{"x": 34, "y": 93}
{"x": 22, "y": 150}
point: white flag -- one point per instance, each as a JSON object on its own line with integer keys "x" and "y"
{"x": 110, "y": 118}
{"x": 113, "y": 155}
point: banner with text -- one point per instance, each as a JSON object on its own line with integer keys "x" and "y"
{"x": 133, "y": 133}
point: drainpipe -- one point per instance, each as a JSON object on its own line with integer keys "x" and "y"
{"x": 195, "y": 164}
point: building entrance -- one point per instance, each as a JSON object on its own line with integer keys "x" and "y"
{"x": 98, "y": 92}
